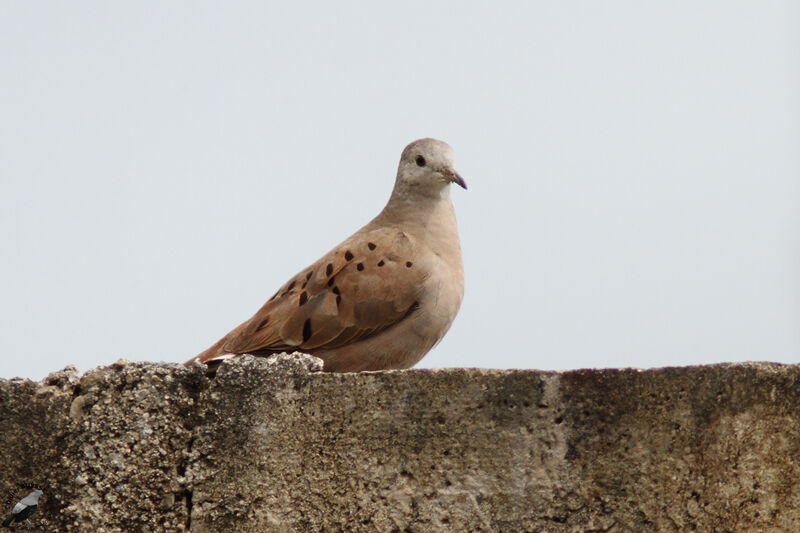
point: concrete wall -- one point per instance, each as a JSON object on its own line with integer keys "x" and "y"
{"x": 273, "y": 445}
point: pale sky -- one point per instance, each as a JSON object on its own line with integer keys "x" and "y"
{"x": 633, "y": 171}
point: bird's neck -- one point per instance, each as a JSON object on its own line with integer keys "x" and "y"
{"x": 416, "y": 207}
{"x": 430, "y": 217}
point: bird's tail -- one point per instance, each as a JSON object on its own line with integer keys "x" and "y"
{"x": 7, "y": 521}
{"x": 215, "y": 353}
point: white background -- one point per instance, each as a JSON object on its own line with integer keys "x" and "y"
{"x": 634, "y": 171}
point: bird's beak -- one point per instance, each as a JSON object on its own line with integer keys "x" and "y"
{"x": 454, "y": 177}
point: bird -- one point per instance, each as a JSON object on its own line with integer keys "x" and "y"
{"x": 24, "y": 508}
{"x": 384, "y": 296}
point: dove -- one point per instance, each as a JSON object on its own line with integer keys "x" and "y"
{"x": 383, "y": 297}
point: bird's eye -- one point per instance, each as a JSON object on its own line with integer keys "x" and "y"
{"x": 420, "y": 161}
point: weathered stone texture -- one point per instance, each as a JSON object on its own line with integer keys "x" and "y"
{"x": 273, "y": 445}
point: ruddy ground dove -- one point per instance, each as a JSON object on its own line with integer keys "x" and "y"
{"x": 382, "y": 298}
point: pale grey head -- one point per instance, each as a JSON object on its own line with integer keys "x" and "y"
{"x": 33, "y": 497}
{"x": 427, "y": 167}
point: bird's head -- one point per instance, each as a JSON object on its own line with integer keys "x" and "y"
{"x": 426, "y": 167}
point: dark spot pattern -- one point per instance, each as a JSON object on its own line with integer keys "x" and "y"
{"x": 348, "y": 255}
{"x": 371, "y": 245}
{"x": 409, "y": 264}
{"x": 381, "y": 263}
{"x": 262, "y": 324}
{"x": 338, "y": 296}
{"x": 329, "y": 269}
{"x": 303, "y": 298}
{"x": 331, "y": 281}
{"x": 360, "y": 267}
{"x": 413, "y": 308}
{"x": 291, "y": 285}
{"x": 310, "y": 273}
{"x": 307, "y": 330}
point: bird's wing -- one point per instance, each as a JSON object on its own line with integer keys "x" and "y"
{"x": 363, "y": 286}
{"x": 18, "y": 508}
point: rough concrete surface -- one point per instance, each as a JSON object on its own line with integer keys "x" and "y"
{"x": 275, "y": 445}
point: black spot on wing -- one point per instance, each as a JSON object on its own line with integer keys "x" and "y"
{"x": 338, "y": 296}
{"x": 411, "y": 309}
